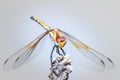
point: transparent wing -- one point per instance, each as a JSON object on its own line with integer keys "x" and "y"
{"x": 23, "y": 55}
{"x": 101, "y": 62}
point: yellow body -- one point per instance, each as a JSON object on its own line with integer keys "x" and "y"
{"x": 54, "y": 33}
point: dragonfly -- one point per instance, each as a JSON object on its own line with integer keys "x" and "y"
{"x": 60, "y": 39}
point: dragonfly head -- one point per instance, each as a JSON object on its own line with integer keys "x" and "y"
{"x": 61, "y": 41}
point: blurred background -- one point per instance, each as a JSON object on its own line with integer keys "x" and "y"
{"x": 94, "y": 22}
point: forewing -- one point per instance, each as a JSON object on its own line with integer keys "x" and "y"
{"x": 99, "y": 59}
{"x": 23, "y": 55}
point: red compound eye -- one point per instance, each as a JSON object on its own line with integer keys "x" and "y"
{"x": 59, "y": 39}
{"x": 63, "y": 38}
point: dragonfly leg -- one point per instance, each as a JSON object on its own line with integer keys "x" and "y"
{"x": 57, "y": 50}
{"x": 52, "y": 53}
{"x": 63, "y": 51}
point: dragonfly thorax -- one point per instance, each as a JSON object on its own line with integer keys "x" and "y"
{"x": 58, "y": 38}
{"x": 61, "y": 41}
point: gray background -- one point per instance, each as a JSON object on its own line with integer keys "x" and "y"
{"x": 95, "y": 22}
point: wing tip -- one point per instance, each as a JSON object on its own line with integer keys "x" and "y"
{"x": 4, "y": 67}
{"x": 112, "y": 63}
{"x": 102, "y": 62}
{"x": 110, "y": 60}
{"x": 5, "y": 61}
